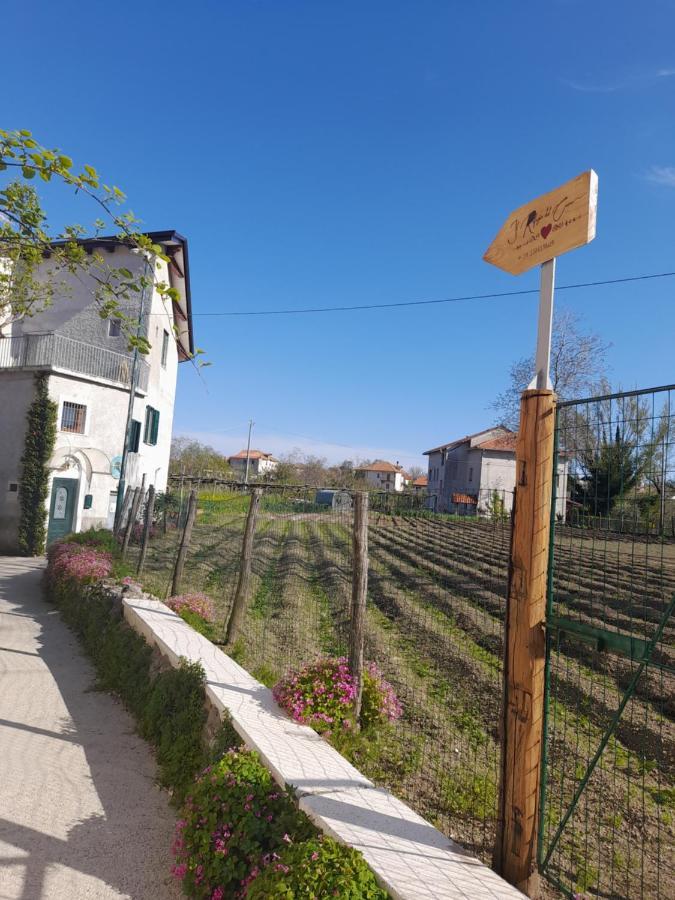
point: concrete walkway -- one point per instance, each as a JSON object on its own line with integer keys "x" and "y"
{"x": 80, "y": 815}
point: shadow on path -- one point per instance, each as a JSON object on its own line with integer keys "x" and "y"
{"x": 80, "y": 814}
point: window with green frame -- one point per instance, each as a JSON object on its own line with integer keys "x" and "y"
{"x": 151, "y": 425}
{"x": 165, "y": 347}
{"x": 135, "y": 436}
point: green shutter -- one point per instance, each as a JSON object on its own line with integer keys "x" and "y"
{"x": 148, "y": 425}
{"x": 135, "y": 436}
{"x": 155, "y": 426}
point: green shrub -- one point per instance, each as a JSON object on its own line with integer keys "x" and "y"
{"x": 101, "y": 538}
{"x": 316, "y": 868}
{"x": 34, "y": 484}
{"x": 234, "y": 819}
{"x": 173, "y": 720}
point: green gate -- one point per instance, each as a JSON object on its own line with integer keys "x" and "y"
{"x": 607, "y": 809}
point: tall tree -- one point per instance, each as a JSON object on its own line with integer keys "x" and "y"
{"x": 578, "y": 364}
{"x": 25, "y": 240}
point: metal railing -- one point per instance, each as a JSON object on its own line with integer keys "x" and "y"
{"x": 54, "y": 351}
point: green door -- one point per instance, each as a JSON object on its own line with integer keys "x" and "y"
{"x": 61, "y": 508}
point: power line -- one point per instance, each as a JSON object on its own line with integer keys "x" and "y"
{"x": 495, "y": 296}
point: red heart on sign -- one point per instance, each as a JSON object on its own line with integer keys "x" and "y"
{"x": 545, "y": 231}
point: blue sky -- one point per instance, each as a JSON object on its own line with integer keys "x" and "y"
{"x": 321, "y": 153}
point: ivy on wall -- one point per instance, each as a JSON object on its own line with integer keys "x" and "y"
{"x": 34, "y": 486}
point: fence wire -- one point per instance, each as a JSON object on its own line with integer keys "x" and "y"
{"x": 434, "y": 623}
{"x": 609, "y": 789}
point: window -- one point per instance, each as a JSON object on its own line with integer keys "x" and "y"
{"x": 151, "y": 425}
{"x": 165, "y": 347}
{"x": 12, "y": 487}
{"x": 135, "y": 436}
{"x": 114, "y": 327}
{"x": 73, "y": 417}
{"x": 470, "y": 473}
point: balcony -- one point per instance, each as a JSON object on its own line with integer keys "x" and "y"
{"x": 59, "y": 353}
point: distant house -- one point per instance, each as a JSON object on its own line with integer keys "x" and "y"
{"x": 468, "y": 475}
{"x": 259, "y": 465}
{"x": 384, "y": 476}
{"x": 420, "y": 484}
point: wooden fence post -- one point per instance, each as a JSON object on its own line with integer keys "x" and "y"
{"x": 525, "y": 643}
{"x": 135, "y": 503}
{"x": 117, "y": 526}
{"x": 184, "y": 542}
{"x": 359, "y": 593}
{"x": 241, "y": 594}
{"x": 149, "y": 512}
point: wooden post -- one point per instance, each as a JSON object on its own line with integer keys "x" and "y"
{"x": 135, "y": 503}
{"x": 241, "y": 594}
{"x": 149, "y": 512}
{"x": 359, "y": 593}
{"x": 125, "y": 506}
{"x": 525, "y": 644}
{"x": 184, "y": 542}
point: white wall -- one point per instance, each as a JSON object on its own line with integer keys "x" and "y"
{"x": 88, "y": 456}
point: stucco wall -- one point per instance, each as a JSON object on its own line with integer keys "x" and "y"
{"x": 17, "y": 390}
{"x": 88, "y": 456}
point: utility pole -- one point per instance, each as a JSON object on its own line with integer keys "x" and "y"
{"x": 135, "y": 368}
{"x": 251, "y": 423}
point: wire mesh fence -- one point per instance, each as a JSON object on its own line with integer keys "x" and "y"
{"x": 434, "y": 623}
{"x": 435, "y": 612}
{"x": 608, "y": 797}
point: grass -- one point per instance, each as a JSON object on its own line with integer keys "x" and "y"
{"x": 434, "y": 625}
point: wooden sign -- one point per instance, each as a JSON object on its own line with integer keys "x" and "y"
{"x": 548, "y": 226}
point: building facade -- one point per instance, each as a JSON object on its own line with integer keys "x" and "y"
{"x": 476, "y": 475}
{"x": 384, "y": 476}
{"x": 90, "y": 370}
{"x": 260, "y": 464}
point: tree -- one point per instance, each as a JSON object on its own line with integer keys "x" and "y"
{"x": 611, "y": 469}
{"x": 416, "y": 472}
{"x": 34, "y": 484}
{"x": 619, "y": 453}
{"x": 25, "y": 240}
{"x": 578, "y": 364}
{"x": 195, "y": 458}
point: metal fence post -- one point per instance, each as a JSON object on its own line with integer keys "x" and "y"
{"x": 359, "y": 593}
{"x": 525, "y": 644}
{"x": 241, "y": 595}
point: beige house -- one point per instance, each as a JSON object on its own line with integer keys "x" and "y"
{"x": 466, "y": 475}
{"x": 384, "y": 476}
{"x": 260, "y": 463}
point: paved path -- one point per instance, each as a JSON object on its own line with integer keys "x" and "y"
{"x": 80, "y": 815}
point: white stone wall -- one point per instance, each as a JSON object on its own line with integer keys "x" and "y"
{"x": 17, "y": 389}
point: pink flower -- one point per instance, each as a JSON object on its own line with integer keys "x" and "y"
{"x": 179, "y": 871}
{"x": 197, "y": 603}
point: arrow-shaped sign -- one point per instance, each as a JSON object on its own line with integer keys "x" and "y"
{"x": 548, "y": 226}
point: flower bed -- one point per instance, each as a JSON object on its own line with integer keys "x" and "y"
{"x": 197, "y": 610}
{"x": 322, "y": 695}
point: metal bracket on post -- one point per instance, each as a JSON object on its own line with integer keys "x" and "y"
{"x": 542, "y": 363}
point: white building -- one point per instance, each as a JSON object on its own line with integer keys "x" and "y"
{"x": 260, "y": 464}
{"x": 473, "y": 473}
{"x": 384, "y": 476}
{"x": 89, "y": 370}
